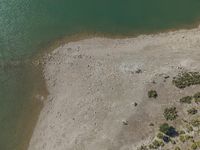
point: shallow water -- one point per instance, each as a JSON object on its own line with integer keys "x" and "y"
{"x": 26, "y": 26}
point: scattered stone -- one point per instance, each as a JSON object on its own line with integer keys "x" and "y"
{"x": 80, "y": 56}
{"x": 125, "y": 122}
{"x": 151, "y": 124}
{"x": 138, "y": 71}
{"x": 166, "y": 76}
{"x": 154, "y": 82}
{"x": 135, "y": 104}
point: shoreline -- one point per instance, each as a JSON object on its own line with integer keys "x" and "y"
{"x": 55, "y": 43}
{"x": 57, "y": 58}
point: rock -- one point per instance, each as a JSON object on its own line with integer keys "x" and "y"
{"x": 125, "y": 122}
{"x": 135, "y": 104}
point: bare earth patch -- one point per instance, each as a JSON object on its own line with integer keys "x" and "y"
{"x": 98, "y": 90}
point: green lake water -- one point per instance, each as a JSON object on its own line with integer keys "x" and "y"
{"x": 27, "y": 26}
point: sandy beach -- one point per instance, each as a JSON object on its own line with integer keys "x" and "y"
{"x": 98, "y": 90}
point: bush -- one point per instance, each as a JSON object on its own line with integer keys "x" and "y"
{"x": 189, "y": 128}
{"x": 152, "y": 94}
{"x": 186, "y": 99}
{"x": 143, "y": 147}
{"x": 192, "y": 111}
{"x": 168, "y": 130}
{"x": 166, "y": 139}
{"x": 170, "y": 113}
{"x": 194, "y": 146}
{"x": 151, "y": 146}
{"x": 195, "y": 122}
{"x": 177, "y": 148}
{"x": 197, "y": 97}
{"x": 182, "y": 138}
{"x": 181, "y": 132}
{"x": 160, "y": 135}
{"x": 186, "y": 79}
{"x": 157, "y": 144}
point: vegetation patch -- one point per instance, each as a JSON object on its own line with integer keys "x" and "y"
{"x": 143, "y": 147}
{"x": 187, "y": 133}
{"x": 192, "y": 111}
{"x": 197, "y": 97}
{"x": 160, "y": 135}
{"x": 170, "y": 113}
{"x": 177, "y": 148}
{"x": 152, "y": 94}
{"x": 186, "y": 99}
{"x": 195, "y": 122}
{"x": 186, "y": 79}
{"x": 168, "y": 130}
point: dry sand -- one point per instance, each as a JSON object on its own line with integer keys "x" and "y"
{"x": 94, "y": 83}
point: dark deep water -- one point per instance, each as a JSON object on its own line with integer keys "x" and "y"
{"x": 26, "y": 26}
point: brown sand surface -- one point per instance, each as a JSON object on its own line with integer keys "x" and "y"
{"x": 94, "y": 84}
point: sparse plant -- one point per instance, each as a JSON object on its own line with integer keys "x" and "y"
{"x": 192, "y": 111}
{"x": 157, "y": 144}
{"x": 173, "y": 141}
{"x": 170, "y": 113}
{"x": 151, "y": 146}
{"x": 186, "y": 99}
{"x": 177, "y": 148}
{"x": 181, "y": 132}
{"x": 182, "y": 138}
{"x": 194, "y": 146}
{"x": 160, "y": 135}
{"x": 152, "y": 94}
{"x": 195, "y": 122}
{"x": 198, "y": 143}
{"x": 143, "y": 147}
{"x": 188, "y": 137}
{"x": 189, "y": 128}
{"x": 166, "y": 139}
{"x": 197, "y": 97}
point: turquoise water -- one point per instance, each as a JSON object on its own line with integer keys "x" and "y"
{"x": 26, "y": 26}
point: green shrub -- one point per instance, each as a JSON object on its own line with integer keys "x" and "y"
{"x": 157, "y": 144}
{"x": 195, "y": 122}
{"x": 181, "y": 132}
{"x": 197, "y": 97}
{"x": 182, "y": 138}
{"x": 160, "y": 135}
{"x": 143, "y": 147}
{"x": 177, "y": 148}
{"x": 185, "y": 79}
{"x": 189, "y": 128}
{"x": 152, "y": 94}
{"x": 186, "y": 99}
{"x": 168, "y": 130}
{"x": 164, "y": 128}
{"x": 173, "y": 141}
{"x": 188, "y": 137}
{"x": 151, "y": 146}
{"x": 194, "y": 146}
{"x": 192, "y": 111}
{"x": 170, "y": 113}
{"x": 198, "y": 143}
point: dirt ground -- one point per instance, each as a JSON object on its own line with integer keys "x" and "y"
{"x": 94, "y": 85}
